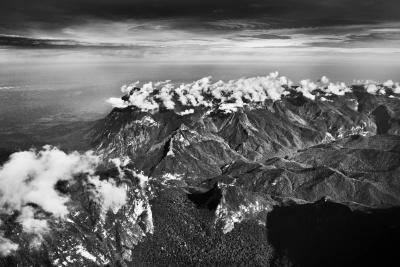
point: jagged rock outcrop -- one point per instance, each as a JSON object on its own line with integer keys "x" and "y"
{"x": 198, "y": 144}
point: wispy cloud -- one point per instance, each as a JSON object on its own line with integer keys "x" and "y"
{"x": 45, "y": 43}
{"x": 163, "y": 40}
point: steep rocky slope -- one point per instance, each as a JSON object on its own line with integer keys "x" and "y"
{"x": 207, "y": 139}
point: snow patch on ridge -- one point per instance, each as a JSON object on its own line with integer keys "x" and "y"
{"x": 84, "y": 253}
{"x": 230, "y": 217}
{"x": 147, "y": 121}
{"x": 229, "y": 212}
{"x": 186, "y": 112}
{"x": 169, "y": 178}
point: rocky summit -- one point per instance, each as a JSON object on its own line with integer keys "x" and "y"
{"x": 304, "y": 176}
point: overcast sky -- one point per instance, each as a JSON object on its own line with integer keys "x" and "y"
{"x": 200, "y": 30}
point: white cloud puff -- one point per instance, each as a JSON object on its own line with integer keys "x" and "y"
{"x": 324, "y": 80}
{"x": 30, "y": 224}
{"x": 7, "y": 246}
{"x": 306, "y": 88}
{"x": 395, "y": 86}
{"x": 30, "y": 177}
{"x": 111, "y": 196}
{"x": 388, "y": 83}
{"x": 371, "y": 88}
{"x": 143, "y": 179}
{"x": 117, "y": 102}
{"x": 396, "y": 89}
{"x": 337, "y": 88}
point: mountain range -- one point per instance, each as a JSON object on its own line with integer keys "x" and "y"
{"x": 303, "y": 175}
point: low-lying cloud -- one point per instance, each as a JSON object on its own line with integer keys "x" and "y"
{"x": 28, "y": 182}
{"x": 231, "y": 95}
{"x": 111, "y": 196}
{"x": 30, "y": 177}
{"x": 6, "y": 246}
{"x": 228, "y": 95}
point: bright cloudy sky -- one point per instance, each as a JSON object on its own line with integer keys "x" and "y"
{"x": 179, "y": 30}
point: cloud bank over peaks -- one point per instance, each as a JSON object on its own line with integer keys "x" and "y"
{"x": 307, "y": 88}
{"x": 231, "y": 95}
{"x": 28, "y": 188}
{"x": 204, "y": 92}
{"x": 375, "y": 87}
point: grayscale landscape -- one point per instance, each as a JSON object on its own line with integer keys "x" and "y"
{"x": 188, "y": 133}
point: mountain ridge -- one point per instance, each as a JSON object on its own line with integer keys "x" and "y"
{"x": 202, "y": 181}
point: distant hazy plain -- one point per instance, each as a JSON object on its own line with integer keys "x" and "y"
{"x": 36, "y": 94}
